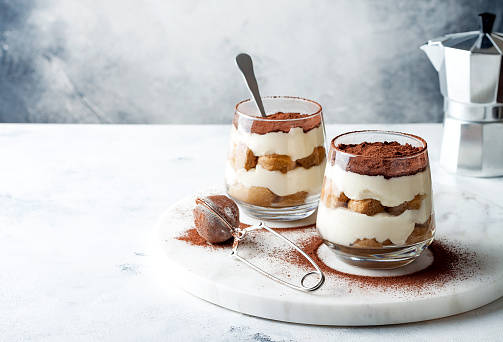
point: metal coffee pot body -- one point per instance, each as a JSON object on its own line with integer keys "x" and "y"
{"x": 470, "y": 72}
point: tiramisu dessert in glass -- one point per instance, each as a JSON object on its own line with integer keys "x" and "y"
{"x": 376, "y": 208}
{"x": 275, "y": 164}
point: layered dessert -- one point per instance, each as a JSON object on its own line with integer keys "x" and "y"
{"x": 376, "y": 195}
{"x": 277, "y": 161}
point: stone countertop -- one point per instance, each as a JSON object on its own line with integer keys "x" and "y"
{"x": 78, "y": 205}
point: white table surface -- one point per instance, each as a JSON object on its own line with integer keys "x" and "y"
{"x": 78, "y": 205}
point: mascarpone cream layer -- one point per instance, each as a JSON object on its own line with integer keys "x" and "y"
{"x": 295, "y": 143}
{"x": 282, "y": 184}
{"x": 343, "y": 226}
{"x": 390, "y": 192}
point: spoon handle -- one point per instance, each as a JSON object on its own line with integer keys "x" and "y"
{"x": 245, "y": 64}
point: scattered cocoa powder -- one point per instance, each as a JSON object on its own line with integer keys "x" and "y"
{"x": 388, "y": 159}
{"x": 446, "y": 265}
{"x": 192, "y": 237}
{"x": 442, "y": 269}
{"x": 278, "y": 122}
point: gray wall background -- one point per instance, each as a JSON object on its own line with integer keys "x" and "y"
{"x": 162, "y": 61}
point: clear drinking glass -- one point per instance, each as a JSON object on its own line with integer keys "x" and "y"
{"x": 376, "y": 208}
{"x": 275, "y": 165}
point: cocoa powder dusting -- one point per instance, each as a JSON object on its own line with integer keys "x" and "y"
{"x": 380, "y": 149}
{"x": 388, "y": 159}
{"x": 444, "y": 268}
{"x": 192, "y": 237}
{"x": 278, "y": 122}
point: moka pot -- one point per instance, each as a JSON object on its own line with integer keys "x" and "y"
{"x": 470, "y": 72}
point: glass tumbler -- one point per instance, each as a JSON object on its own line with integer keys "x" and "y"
{"x": 376, "y": 208}
{"x": 275, "y": 165}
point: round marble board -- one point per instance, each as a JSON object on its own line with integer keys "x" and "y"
{"x": 466, "y": 222}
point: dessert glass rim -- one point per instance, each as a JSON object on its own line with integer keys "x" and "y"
{"x": 423, "y": 149}
{"x": 307, "y": 116}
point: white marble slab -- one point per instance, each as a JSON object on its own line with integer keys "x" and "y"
{"x": 78, "y": 204}
{"x": 466, "y": 221}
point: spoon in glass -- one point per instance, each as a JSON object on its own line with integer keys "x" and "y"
{"x": 245, "y": 64}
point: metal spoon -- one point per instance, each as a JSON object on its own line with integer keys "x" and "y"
{"x": 245, "y": 64}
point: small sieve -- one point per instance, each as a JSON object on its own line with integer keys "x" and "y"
{"x": 238, "y": 235}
